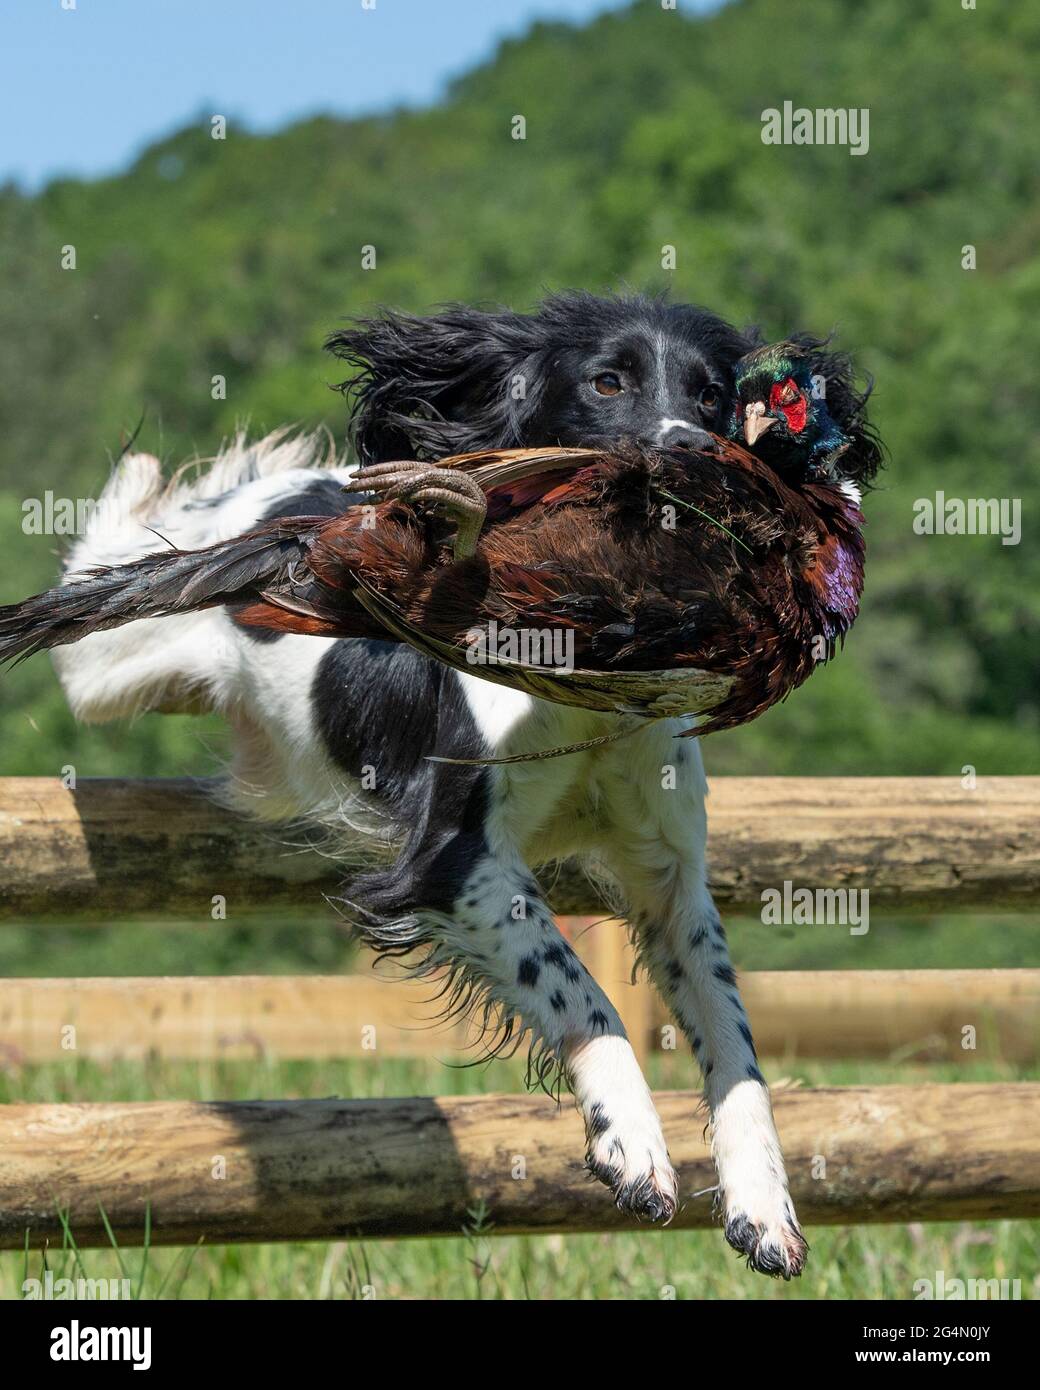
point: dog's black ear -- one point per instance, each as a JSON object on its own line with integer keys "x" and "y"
{"x": 447, "y": 383}
{"x": 751, "y": 336}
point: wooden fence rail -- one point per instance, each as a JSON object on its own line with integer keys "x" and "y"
{"x": 326, "y": 1169}
{"x": 129, "y": 848}
{"x": 919, "y": 1014}
{"x": 318, "y": 1170}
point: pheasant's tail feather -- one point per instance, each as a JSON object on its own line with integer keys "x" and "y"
{"x": 515, "y": 479}
{"x": 495, "y": 467}
{"x": 158, "y": 584}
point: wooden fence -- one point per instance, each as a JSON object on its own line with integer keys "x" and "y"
{"x": 323, "y": 1169}
{"x": 319, "y": 1169}
{"x": 918, "y": 1015}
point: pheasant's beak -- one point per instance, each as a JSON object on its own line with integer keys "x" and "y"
{"x": 756, "y": 422}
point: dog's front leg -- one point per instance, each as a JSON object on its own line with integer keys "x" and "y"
{"x": 502, "y": 938}
{"x": 683, "y": 945}
{"x": 657, "y": 853}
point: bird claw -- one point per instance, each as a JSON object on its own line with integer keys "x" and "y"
{"x": 446, "y": 491}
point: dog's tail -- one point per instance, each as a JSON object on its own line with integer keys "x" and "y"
{"x": 157, "y": 585}
{"x": 146, "y": 528}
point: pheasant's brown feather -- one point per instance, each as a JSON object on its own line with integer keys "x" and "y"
{"x": 685, "y": 583}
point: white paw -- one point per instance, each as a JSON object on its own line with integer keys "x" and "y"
{"x": 626, "y": 1148}
{"x": 632, "y": 1160}
{"x": 753, "y": 1196}
{"x": 773, "y": 1243}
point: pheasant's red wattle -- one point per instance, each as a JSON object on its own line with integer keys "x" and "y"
{"x": 795, "y": 411}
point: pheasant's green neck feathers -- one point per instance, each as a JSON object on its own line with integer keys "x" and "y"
{"x": 774, "y": 363}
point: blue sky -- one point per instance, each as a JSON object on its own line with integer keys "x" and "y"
{"x": 83, "y": 89}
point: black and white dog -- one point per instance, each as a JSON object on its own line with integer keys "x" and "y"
{"x": 340, "y": 731}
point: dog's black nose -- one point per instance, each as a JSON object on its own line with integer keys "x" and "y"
{"x": 685, "y": 437}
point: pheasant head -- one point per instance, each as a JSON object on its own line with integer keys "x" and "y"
{"x": 798, "y": 410}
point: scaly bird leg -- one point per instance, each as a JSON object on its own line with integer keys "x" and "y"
{"x": 452, "y": 494}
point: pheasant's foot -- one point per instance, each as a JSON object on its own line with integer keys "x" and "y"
{"x": 446, "y": 491}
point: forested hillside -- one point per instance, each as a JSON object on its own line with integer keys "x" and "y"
{"x": 234, "y": 257}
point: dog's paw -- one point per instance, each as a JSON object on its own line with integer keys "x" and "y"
{"x": 752, "y": 1196}
{"x": 773, "y": 1246}
{"x": 632, "y": 1161}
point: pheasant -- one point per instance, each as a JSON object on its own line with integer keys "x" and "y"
{"x": 684, "y": 583}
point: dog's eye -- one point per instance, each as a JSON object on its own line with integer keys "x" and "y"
{"x": 710, "y": 398}
{"x": 607, "y": 384}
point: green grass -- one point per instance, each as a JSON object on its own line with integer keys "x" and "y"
{"x": 880, "y": 1262}
{"x": 311, "y": 944}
